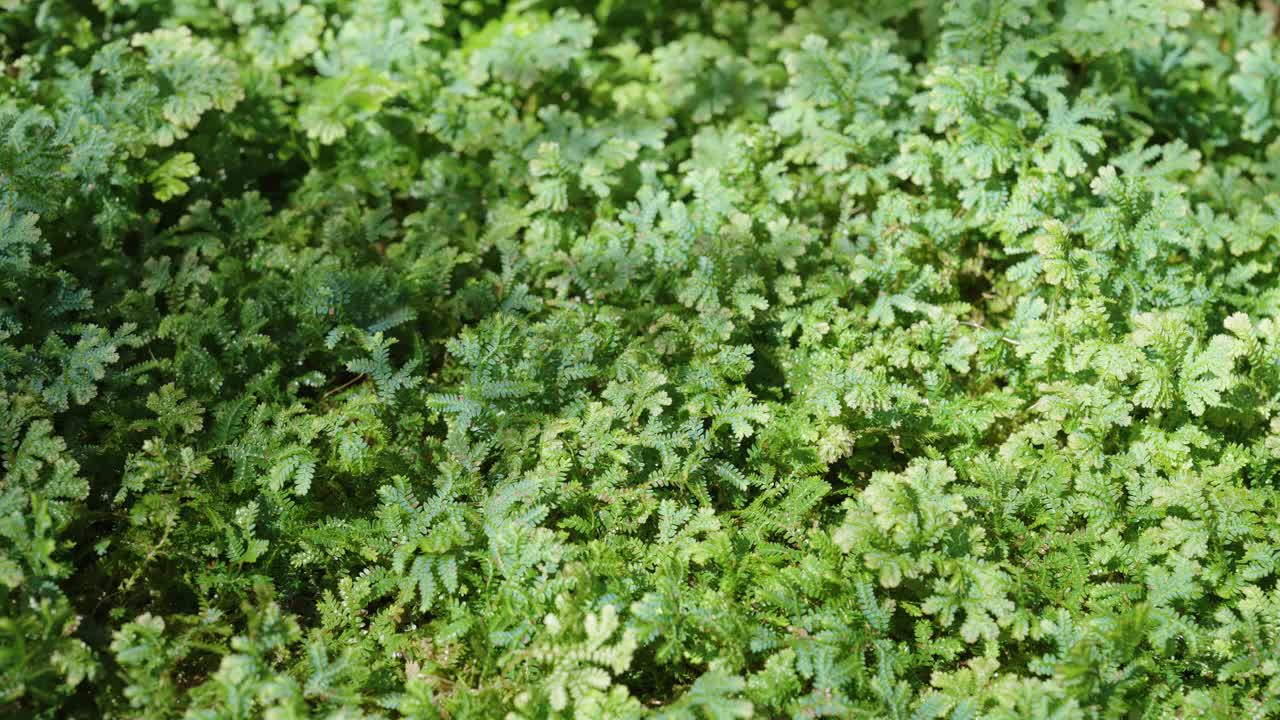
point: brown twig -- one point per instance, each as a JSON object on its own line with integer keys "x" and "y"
{"x": 345, "y": 385}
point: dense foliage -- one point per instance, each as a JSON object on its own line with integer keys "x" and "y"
{"x": 468, "y": 359}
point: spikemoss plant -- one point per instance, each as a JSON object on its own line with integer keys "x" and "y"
{"x": 448, "y": 359}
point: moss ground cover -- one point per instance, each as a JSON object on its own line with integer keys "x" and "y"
{"x": 424, "y": 359}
